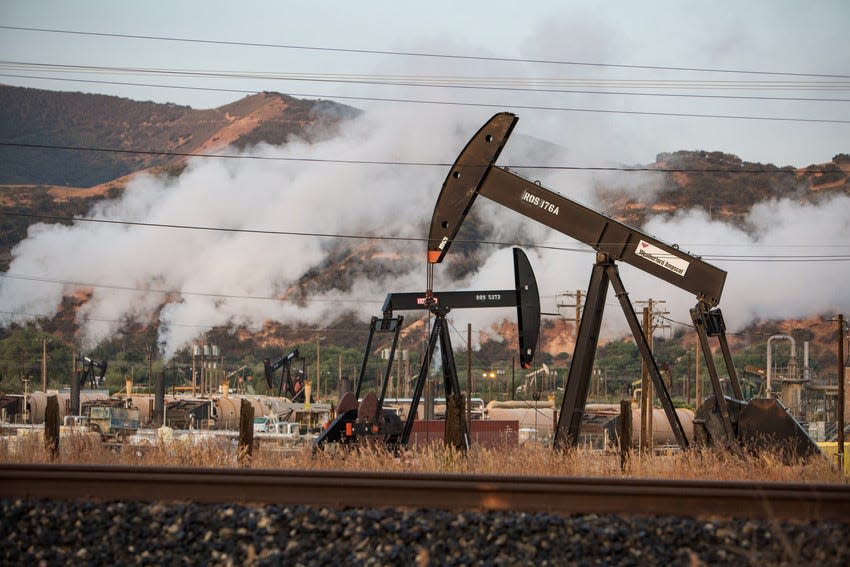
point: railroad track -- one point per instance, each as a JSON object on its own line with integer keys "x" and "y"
{"x": 394, "y": 490}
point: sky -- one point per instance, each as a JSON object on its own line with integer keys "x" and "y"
{"x": 607, "y": 82}
{"x": 762, "y": 36}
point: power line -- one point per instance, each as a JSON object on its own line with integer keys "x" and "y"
{"x": 177, "y": 291}
{"x": 500, "y": 82}
{"x": 625, "y": 169}
{"x": 169, "y": 324}
{"x": 284, "y": 233}
{"x": 437, "y": 102}
{"x": 691, "y": 326}
{"x": 422, "y": 54}
{"x": 217, "y": 229}
{"x": 727, "y": 258}
{"x": 171, "y": 153}
{"x": 220, "y": 74}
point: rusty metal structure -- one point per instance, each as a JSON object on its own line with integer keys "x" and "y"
{"x": 345, "y": 489}
{"x": 369, "y": 417}
{"x": 475, "y": 173}
{"x": 189, "y": 413}
{"x": 292, "y": 388}
{"x": 87, "y": 372}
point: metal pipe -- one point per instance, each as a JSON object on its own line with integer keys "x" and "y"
{"x": 769, "y": 391}
{"x": 806, "y": 372}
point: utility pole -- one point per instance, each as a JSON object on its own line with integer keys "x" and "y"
{"x": 469, "y": 371}
{"x": 841, "y": 393}
{"x": 698, "y": 376}
{"x": 150, "y": 369}
{"x": 44, "y": 365}
{"x": 194, "y": 376}
{"x": 26, "y": 382}
{"x": 649, "y": 327}
{"x": 318, "y": 369}
{"x": 513, "y": 377}
{"x": 577, "y": 304}
{"x": 646, "y": 387}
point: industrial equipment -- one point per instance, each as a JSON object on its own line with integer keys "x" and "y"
{"x": 89, "y": 365}
{"x": 288, "y": 386}
{"x": 474, "y": 172}
{"x": 114, "y": 423}
{"x": 114, "y": 420}
{"x": 369, "y": 418}
{"x": 530, "y": 384}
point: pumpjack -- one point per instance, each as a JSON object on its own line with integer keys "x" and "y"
{"x": 292, "y": 388}
{"x": 724, "y": 419}
{"x": 88, "y": 372}
{"x": 367, "y": 419}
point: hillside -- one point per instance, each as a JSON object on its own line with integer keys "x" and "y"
{"x": 65, "y": 183}
{"x": 731, "y": 194}
{"x": 33, "y": 116}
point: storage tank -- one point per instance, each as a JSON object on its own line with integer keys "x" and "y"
{"x": 662, "y": 433}
{"x": 37, "y": 402}
{"x": 228, "y": 409}
{"x": 538, "y": 415}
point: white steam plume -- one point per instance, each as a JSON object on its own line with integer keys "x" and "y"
{"x": 381, "y": 200}
{"x": 291, "y": 196}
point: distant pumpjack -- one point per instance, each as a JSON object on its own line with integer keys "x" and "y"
{"x": 288, "y": 386}
{"x": 88, "y": 372}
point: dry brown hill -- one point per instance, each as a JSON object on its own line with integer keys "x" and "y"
{"x": 49, "y": 180}
{"x": 44, "y": 123}
{"x": 726, "y": 186}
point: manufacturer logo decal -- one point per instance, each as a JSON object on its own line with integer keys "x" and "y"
{"x": 662, "y": 258}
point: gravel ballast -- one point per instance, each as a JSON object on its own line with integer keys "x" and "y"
{"x": 136, "y": 533}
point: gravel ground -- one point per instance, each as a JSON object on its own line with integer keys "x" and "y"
{"x": 133, "y": 533}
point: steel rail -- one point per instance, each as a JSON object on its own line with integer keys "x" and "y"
{"x": 566, "y": 495}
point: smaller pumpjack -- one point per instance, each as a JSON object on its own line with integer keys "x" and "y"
{"x": 368, "y": 419}
{"x": 89, "y": 365}
{"x": 292, "y": 388}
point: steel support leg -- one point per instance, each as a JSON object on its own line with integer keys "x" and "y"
{"x": 699, "y": 325}
{"x": 578, "y": 381}
{"x": 420, "y": 382}
{"x": 730, "y": 367}
{"x": 362, "y": 374}
{"x": 450, "y": 379}
{"x": 395, "y": 327}
{"x": 646, "y": 353}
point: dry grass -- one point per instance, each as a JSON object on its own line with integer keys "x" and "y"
{"x": 534, "y": 460}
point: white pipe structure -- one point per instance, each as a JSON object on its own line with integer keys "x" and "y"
{"x": 791, "y": 362}
{"x": 531, "y": 378}
{"x": 806, "y": 374}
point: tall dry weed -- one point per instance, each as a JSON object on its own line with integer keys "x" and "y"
{"x": 524, "y": 460}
